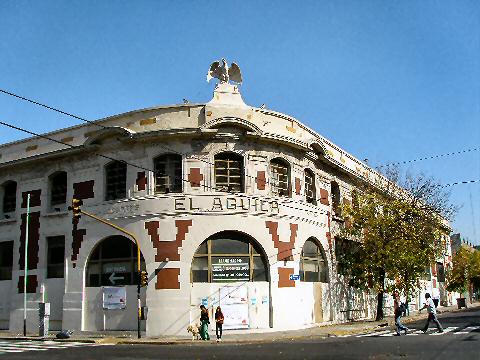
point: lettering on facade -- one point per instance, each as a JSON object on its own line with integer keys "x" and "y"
{"x": 219, "y": 204}
{"x": 124, "y": 209}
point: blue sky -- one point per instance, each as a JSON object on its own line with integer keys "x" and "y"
{"x": 385, "y": 80}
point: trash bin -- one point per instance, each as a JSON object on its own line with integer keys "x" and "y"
{"x": 461, "y": 302}
{"x": 435, "y": 302}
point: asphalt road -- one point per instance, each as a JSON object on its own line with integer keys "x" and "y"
{"x": 461, "y": 341}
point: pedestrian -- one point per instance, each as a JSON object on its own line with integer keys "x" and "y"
{"x": 398, "y": 310}
{"x": 432, "y": 314}
{"x": 219, "y": 323}
{"x": 204, "y": 322}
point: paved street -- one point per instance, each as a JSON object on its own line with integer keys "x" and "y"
{"x": 461, "y": 340}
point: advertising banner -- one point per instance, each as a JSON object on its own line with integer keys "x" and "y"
{"x": 114, "y": 297}
{"x": 225, "y": 269}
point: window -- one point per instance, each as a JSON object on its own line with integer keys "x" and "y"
{"x": 58, "y": 188}
{"x": 55, "y": 256}
{"x": 313, "y": 266}
{"x": 335, "y": 191}
{"x": 440, "y": 272}
{"x": 9, "y": 196}
{"x": 228, "y": 172}
{"x": 310, "y": 193}
{"x": 6, "y": 260}
{"x": 168, "y": 173}
{"x": 116, "y": 180}
{"x": 280, "y": 177}
{"x": 229, "y": 256}
{"x": 114, "y": 262}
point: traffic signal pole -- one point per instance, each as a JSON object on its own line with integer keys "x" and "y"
{"x": 76, "y": 211}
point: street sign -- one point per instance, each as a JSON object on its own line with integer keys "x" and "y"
{"x": 112, "y": 278}
{"x": 294, "y": 277}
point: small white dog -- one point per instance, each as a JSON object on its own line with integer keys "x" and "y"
{"x": 194, "y": 329}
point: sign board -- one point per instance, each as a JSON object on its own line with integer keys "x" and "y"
{"x": 114, "y": 297}
{"x": 225, "y": 269}
{"x": 294, "y": 277}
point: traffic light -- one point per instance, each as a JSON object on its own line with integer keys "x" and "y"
{"x": 143, "y": 278}
{"x": 77, "y": 212}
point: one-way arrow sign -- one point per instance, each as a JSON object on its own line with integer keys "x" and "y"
{"x": 112, "y": 278}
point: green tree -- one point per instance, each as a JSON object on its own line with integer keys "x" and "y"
{"x": 398, "y": 232}
{"x": 465, "y": 272}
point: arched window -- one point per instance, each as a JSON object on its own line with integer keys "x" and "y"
{"x": 114, "y": 262}
{"x": 313, "y": 265}
{"x": 58, "y": 188}
{"x": 168, "y": 174}
{"x": 229, "y": 172}
{"x": 9, "y": 192}
{"x": 115, "y": 180}
{"x": 310, "y": 192}
{"x": 227, "y": 257}
{"x": 280, "y": 177}
{"x": 335, "y": 191}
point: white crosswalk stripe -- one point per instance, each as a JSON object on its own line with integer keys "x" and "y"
{"x": 413, "y": 332}
{"x": 14, "y": 346}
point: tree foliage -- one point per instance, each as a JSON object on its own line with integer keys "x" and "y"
{"x": 465, "y": 271}
{"x": 398, "y": 232}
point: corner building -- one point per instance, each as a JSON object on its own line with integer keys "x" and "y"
{"x": 230, "y": 204}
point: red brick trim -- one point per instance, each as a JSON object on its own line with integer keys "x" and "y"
{"x": 284, "y": 277}
{"x": 167, "y": 249}
{"x": 284, "y": 248}
{"x": 260, "y": 180}
{"x": 77, "y": 238}
{"x": 168, "y": 279}
{"x": 434, "y": 283}
{"x": 35, "y": 199}
{"x": 298, "y": 186}
{"x": 141, "y": 181}
{"x": 195, "y": 177}
{"x": 33, "y": 238}
{"x": 324, "y": 197}
{"x": 83, "y": 190}
{"x": 32, "y": 284}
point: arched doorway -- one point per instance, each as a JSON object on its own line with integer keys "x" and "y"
{"x": 111, "y": 278}
{"x": 230, "y": 269}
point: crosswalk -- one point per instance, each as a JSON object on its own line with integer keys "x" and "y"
{"x": 14, "y": 346}
{"x": 454, "y": 330}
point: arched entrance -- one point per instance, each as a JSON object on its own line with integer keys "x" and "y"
{"x": 230, "y": 269}
{"x": 110, "y": 285}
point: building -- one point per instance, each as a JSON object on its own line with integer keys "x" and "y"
{"x": 231, "y": 204}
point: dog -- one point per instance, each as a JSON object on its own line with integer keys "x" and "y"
{"x": 194, "y": 329}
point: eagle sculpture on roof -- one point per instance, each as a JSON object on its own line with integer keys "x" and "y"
{"x": 221, "y": 71}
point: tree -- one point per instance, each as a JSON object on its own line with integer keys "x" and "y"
{"x": 465, "y": 272}
{"x": 399, "y": 232}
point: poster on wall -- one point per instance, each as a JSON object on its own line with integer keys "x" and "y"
{"x": 236, "y": 316}
{"x": 233, "y": 295}
{"x": 226, "y": 269}
{"x": 114, "y": 297}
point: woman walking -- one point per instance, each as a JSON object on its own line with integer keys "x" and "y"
{"x": 219, "y": 323}
{"x": 204, "y": 321}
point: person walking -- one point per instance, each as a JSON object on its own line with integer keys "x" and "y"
{"x": 219, "y": 323}
{"x": 398, "y": 310}
{"x": 204, "y": 322}
{"x": 432, "y": 314}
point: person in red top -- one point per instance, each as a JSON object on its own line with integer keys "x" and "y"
{"x": 219, "y": 323}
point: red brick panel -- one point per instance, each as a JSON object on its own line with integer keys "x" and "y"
{"x": 261, "y": 180}
{"x": 141, "y": 181}
{"x": 298, "y": 186}
{"x": 77, "y": 236}
{"x": 167, "y": 249}
{"x": 195, "y": 177}
{"x": 168, "y": 279}
{"x": 434, "y": 283}
{"x": 32, "y": 284}
{"x": 434, "y": 269}
{"x": 284, "y": 277}
{"x": 33, "y": 237}
{"x": 284, "y": 248}
{"x": 34, "y": 198}
{"x": 83, "y": 190}
{"x": 324, "y": 197}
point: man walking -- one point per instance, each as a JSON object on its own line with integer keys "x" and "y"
{"x": 398, "y": 309}
{"x": 432, "y": 314}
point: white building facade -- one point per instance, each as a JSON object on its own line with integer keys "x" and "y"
{"x": 232, "y": 205}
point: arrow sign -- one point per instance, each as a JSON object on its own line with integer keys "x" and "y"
{"x": 112, "y": 278}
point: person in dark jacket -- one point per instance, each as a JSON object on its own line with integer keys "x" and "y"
{"x": 219, "y": 323}
{"x": 398, "y": 310}
{"x": 204, "y": 321}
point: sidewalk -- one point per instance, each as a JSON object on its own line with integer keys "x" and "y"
{"x": 241, "y": 336}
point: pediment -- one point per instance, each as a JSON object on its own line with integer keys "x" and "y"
{"x": 232, "y": 122}
{"x": 102, "y": 135}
